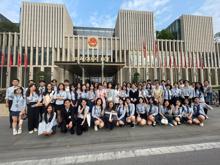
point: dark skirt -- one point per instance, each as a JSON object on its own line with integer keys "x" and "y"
{"x": 143, "y": 116}
{"x": 108, "y": 124}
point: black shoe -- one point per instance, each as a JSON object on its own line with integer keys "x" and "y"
{"x": 72, "y": 132}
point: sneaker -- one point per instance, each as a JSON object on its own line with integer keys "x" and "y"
{"x": 171, "y": 125}
{"x": 19, "y": 131}
{"x": 95, "y": 128}
{"x": 201, "y": 124}
{"x": 154, "y": 124}
{"x": 35, "y": 129}
{"x": 132, "y": 126}
{"x": 15, "y": 132}
{"x": 31, "y": 132}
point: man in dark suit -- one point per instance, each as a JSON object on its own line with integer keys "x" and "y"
{"x": 68, "y": 118}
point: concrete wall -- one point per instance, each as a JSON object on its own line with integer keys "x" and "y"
{"x": 134, "y": 28}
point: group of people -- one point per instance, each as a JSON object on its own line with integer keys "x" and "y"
{"x": 76, "y": 107}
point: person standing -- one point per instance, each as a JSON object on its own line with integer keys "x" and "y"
{"x": 60, "y": 96}
{"x": 208, "y": 92}
{"x": 9, "y": 97}
{"x": 17, "y": 108}
{"x": 33, "y": 104}
{"x": 133, "y": 94}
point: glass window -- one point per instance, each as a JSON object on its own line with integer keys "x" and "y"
{"x": 3, "y": 77}
{"x": 50, "y": 56}
{"x": 29, "y": 55}
{"x": 45, "y": 56}
{"x": 39, "y": 56}
{"x": 25, "y": 77}
{"x": 34, "y": 56}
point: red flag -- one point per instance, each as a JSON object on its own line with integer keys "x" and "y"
{"x": 170, "y": 62}
{"x": 189, "y": 60}
{"x": 25, "y": 61}
{"x": 174, "y": 61}
{"x": 19, "y": 59}
{"x": 3, "y": 60}
{"x": 185, "y": 60}
{"x": 181, "y": 59}
{"x": 202, "y": 61}
{"x": 145, "y": 49}
{"x": 197, "y": 64}
{"x": 165, "y": 61}
{"x": 192, "y": 60}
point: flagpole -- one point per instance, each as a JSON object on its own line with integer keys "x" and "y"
{"x": 25, "y": 68}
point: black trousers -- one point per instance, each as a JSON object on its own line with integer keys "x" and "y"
{"x": 63, "y": 128}
{"x": 109, "y": 125}
{"x": 41, "y": 112}
{"x": 33, "y": 116}
{"x": 81, "y": 128}
{"x": 9, "y": 109}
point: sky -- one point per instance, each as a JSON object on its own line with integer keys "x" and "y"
{"x": 103, "y": 13}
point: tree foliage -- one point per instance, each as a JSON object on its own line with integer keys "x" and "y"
{"x": 165, "y": 34}
{"x": 8, "y": 27}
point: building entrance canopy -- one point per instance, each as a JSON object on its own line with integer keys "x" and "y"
{"x": 91, "y": 68}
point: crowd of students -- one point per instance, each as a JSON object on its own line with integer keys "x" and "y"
{"x": 76, "y": 107}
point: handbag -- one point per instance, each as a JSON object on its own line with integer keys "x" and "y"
{"x": 164, "y": 121}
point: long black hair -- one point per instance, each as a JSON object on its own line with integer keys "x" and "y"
{"x": 52, "y": 113}
{"x": 28, "y": 91}
{"x": 58, "y": 87}
{"x": 201, "y": 89}
{"x": 101, "y": 103}
{"x": 46, "y": 89}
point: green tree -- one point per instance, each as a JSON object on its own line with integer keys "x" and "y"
{"x": 8, "y": 27}
{"x": 165, "y": 34}
{"x": 136, "y": 77}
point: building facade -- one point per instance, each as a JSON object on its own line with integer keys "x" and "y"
{"x": 53, "y": 45}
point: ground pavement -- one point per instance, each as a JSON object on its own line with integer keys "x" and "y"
{"x": 119, "y": 146}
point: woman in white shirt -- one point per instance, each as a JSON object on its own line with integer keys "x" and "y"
{"x": 48, "y": 124}
{"x": 97, "y": 114}
{"x": 83, "y": 118}
{"x": 60, "y": 96}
